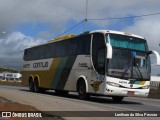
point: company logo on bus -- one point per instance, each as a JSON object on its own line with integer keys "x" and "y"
{"x": 40, "y": 65}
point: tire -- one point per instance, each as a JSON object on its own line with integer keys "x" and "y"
{"x": 42, "y": 90}
{"x": 61, "y": 92}
{"x": 36, "y": 86}
{"x": 117, "y": 99}
{"x": 31, "y": 85}
{"x": 82, "y": 90}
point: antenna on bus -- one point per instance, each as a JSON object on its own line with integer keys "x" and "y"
{"x": 85, "y": 19}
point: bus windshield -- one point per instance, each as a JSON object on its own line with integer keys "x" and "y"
{"x": 129, "y": 59}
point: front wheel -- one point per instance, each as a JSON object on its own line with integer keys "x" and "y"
{"x": 117, "y": 99}
{"x": 82, "y": 90}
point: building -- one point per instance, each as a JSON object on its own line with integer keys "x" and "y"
{"x": 1, "y": 76}
{"x": 10, "y": 76}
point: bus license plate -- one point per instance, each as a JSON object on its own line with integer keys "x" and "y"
{"x": 130, "y": 93}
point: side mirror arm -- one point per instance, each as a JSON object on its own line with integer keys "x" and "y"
{"x": 156, "y": 54}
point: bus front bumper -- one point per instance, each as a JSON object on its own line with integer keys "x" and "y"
{"x": 116, "y": 91}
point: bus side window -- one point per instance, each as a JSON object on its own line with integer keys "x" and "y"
{"x": 98, "y": 46}
{"x": 25, "y": 57}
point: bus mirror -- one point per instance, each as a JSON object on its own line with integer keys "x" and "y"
{"x": 109, "y": 51}
{"x": 156, "y": 54}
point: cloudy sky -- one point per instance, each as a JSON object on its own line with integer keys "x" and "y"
{"x": 24, "y": 23}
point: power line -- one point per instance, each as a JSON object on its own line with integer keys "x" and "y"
{"x": 12, "y": 52}
{"x": 85, "y": 20}
{"x": 11, "y": 61}
{"x": 130, "y": 17}
{"x": 70, "y": 28}
{"x": 55, "y": 37}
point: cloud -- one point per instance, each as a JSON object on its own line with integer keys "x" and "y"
{"x": 57, "y": 14}
{"x": 12, "y": 47}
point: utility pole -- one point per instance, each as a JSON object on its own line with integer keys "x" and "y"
{"x": 85, "y": 18}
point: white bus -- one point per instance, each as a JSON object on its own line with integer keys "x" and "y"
{"x": 100, "y": 62}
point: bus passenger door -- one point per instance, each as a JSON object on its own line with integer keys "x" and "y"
{"x": 98, "y": 61}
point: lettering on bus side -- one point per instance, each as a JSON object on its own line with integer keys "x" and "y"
{"x": 40, "y": 65}
{"x": 26, "y": 66}
{"x": 123, "y": 82}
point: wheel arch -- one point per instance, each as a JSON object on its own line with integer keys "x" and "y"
{"x": 82, "y": 78}
{"x": 30, "y": 79}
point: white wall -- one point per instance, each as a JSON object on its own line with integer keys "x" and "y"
{"x": 155, "y": 78}
{"x": 11, "y": 75}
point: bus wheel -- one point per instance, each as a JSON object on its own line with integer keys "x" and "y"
{"x": 36, "y": 86}
{"x": 31, "y": 85}
{"x": 61, "y": 92}
{"x": 117, "y": 99}
{"x": 82, "y": 90}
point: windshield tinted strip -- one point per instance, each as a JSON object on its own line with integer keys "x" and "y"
{"x": 127, "y": 42}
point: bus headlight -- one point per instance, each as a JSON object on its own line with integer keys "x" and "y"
{"x": 113, "y": 84}
{"x": 146, "y": 87}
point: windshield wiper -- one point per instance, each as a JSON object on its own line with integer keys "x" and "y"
{"x": 139, "y": 71}
{"x": 134, "y": 63}
{"x": 125, "y": 71}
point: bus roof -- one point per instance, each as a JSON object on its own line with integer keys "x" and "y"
{"x": 116, "y": 32}
{"x": 94, "y": 31}
{"x": 62, "y": 37}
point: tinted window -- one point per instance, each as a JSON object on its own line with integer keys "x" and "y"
{"x": 75, "y": 46}
{"x": 127, "y": 42}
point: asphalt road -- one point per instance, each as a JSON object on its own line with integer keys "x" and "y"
{"x": 51, "y": 102}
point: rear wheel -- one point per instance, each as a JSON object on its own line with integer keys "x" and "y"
{"x": 82, "y": 90}
{"x": 36, "y": 86}
{"x": 31, "y": 85}
{"x": 117, "y": 99}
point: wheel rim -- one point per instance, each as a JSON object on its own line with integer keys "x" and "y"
{"x": 31, "y": 87}
{"x": 81, "y": 90}
{"x": 36, "y": 86}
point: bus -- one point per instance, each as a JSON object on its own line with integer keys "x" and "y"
{"x": 99, "y": 62}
